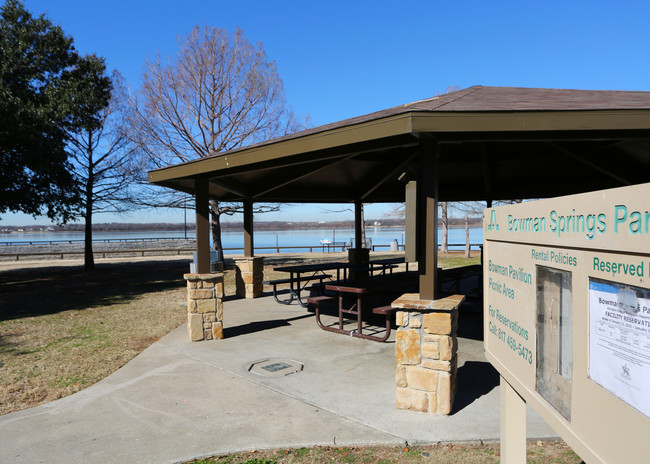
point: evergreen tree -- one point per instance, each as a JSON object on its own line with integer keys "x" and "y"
{"x": 45, "y": 94}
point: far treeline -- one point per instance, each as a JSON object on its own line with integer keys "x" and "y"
{"x": 261, "y": 225}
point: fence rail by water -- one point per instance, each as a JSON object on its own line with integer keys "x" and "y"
{"x": 81, "y": 240}
{"x": 22, "y": 256}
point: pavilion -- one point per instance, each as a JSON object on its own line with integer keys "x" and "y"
{"x": 479, "y": 143}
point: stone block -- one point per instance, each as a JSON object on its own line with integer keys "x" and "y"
{"x": 437, "y": 365}
{"x": 207, "y": 334}
{"x": 195, "y": 326}
{"x": 217, "y": 330}
{"x": 207, "y": 325}
{"x": 248, "y": 278}
{"x": 219, "y": 290}
{"x": 415, "y": 321}
{"x": 431, "y": 350}
{"x": 422, "y": 379}
{"x": 402, "y": 318}
{"x": 433, "y": 403}
{"x": 205, "y": 306}
{"x": 438, "y": 323}
{"x": 400, "y": 376}
{"x": 446, "y": 393}
{"x": 219, "y": 310}
{"x": 244, "y": 265}
{"x": 413, "y": 400}
{"x": 407, "y": 347}
{"x": 431, "y": 338}
{"x": 209, "y": 317}
{"x": 448, "y": 348}
{"x": 191, "y": 305}
{"x": 252, "y": 293}
{"x": 191, "y": 284}
{"x": 201, "y": 294}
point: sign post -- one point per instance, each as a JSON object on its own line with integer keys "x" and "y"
{"x": 567, "y": 320}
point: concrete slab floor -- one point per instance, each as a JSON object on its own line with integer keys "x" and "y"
{"x": 180, "y": 400}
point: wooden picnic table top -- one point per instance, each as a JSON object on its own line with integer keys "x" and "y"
{"x": 387, "y": 261}
{"x": 391, "y": 283}
{"x": 299, "y": 268}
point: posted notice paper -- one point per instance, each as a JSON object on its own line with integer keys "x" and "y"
{"x": 619, "y": 341}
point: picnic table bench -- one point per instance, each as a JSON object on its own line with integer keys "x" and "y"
{"x": 352, "y": 300}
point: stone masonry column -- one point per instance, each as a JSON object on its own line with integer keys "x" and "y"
{"x": 204, "y": 306}
{"x": 249, "y": 277}
{"x": 425, "y": 352}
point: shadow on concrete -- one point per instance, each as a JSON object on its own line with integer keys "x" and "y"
{"x": 260, "y": 326}
{"x": 475, "y": 379}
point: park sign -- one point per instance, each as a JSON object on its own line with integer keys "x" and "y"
{"x": 567, "y": 316}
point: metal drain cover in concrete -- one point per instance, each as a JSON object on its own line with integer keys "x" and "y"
{"x": 275, "y": 367}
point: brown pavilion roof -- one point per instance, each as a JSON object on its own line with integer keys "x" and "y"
{"x": 492, "y": 143}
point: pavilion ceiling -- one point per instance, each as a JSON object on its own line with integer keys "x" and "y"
{"x": 487, "y": 154}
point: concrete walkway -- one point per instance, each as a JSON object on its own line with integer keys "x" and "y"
{"x": 180, "y": 400}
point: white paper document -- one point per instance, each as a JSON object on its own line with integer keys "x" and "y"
{"x": 619, "y": 341}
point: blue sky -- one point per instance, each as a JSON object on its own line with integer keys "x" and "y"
{"x": 343, "y": 59}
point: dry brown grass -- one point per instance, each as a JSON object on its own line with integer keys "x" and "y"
{"x": 537, "y": 453}
{"x": 62, "y": 329}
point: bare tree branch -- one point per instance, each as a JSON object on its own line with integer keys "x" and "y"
{"x": 219, "y": 93}
{"x": 102, "y": 156}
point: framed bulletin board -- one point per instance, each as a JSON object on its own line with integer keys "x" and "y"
{"x": 567, "y": 315}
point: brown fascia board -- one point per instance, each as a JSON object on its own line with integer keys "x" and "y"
{"x": 371, "y": 130}
{"x": 522, "y": 121}
{"x": 413, "y": 123}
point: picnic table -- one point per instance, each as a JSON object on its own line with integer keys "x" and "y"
{"x": 383, "y": 265}
{"x": 302, "y": 276}
{"x": 353, "y": 299}
{"x": 311, "y": 276}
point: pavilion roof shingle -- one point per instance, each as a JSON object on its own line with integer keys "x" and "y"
{"x": 494, "y": 99}
{"x": 479, "y": 98}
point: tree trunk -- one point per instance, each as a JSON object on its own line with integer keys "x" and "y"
{"x": 215, "y": 216}
{"x": 89, "y": 261}
{"x": 363, "y": 228}
{"x": 467, "y": 247}
{"x": 444, "y": 243}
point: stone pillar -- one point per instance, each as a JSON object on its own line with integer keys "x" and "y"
{"x": 425, "y": 352}
{"x": 204, "y": 306}
{"x": 249, "y": 277}
{"x": 358, "y": 256}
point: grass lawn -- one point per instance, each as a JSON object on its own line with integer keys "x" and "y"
{"x": 536, "y": 453}
{"x": 63, "y": 329}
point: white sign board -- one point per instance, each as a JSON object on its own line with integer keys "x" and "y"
{"x": 567, "y": 315}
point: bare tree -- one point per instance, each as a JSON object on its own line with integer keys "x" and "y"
{"x": 467, "y": 244}
{"x": 219, "y": 93}
{"x": 444, "y": 219}
{"x": 101, "y": 156}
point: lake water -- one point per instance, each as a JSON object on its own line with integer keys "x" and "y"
{"x": 281, "y": 238}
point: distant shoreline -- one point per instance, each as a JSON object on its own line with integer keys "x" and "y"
{"x": 10, "y": 230}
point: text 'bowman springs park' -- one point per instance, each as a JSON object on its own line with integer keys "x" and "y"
{"x": 589, "y": 224}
